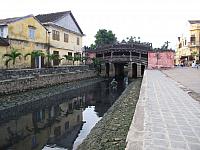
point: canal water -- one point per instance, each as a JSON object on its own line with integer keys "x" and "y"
{"x": 59, "y": 124}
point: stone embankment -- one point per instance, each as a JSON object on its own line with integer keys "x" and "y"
{"x": 14, "y": 105}
{"x": 21, "y": 80}
{"x": 111, "y": 131}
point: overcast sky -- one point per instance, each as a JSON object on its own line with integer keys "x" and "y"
{"x": 153, "y": 21}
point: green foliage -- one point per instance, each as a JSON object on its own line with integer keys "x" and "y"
{"x": 84, "y": 58}
{"x": 51, "y": 57}
{"x": 12, "y": 57}
{"x": 68, "y": 57}
{"x": 35, "y": 53}
{"x": 194, "y": 54}
{"x": 104, "y": 37}
{"x": 92, "y": 46}
{"x": 97, "y": 65}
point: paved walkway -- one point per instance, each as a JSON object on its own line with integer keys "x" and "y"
{"x": 189, "y": 77}
{"x": 166, "y": 117}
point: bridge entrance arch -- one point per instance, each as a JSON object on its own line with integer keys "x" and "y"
{"x": 120, "y": 57}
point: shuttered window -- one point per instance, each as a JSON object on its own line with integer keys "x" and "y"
{"x": 66, "y": 37}
{"x": 56, "y": 35}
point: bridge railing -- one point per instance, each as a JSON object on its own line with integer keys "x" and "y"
{"x": 124, "y": 58}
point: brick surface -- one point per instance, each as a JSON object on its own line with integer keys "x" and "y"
{"x": 171, "y": 118}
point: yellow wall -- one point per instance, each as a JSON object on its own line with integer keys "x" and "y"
{"x": 63, "y": 47}
{"x": 3, "y": 50}
{"x": 71, "y": 45}
{"x": 195, "y": 30}
{"x": 18, "y": 32}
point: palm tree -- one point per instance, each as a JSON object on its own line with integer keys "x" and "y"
{"x": 35, "y": 54}
{"x": 194, "y": 54}
{"x": 84, "y": 59}
{"x": 12, "y": 57}
{"x": 50, "y": 58}
{"x": 76, "y": 58}
{"x": 68, "y": 57}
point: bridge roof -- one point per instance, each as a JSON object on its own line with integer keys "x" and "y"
{"x": 125, "y": 47}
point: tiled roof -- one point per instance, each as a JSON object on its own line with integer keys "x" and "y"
{"x": 11, "y": 20}
{"x": 53, "y": 17}
{"x": 45, "y": 18}
{"x": 194, "y": 21}
{"x": 3, "y": 42}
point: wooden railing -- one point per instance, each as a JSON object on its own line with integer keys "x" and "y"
{"x": 124, "y": 58}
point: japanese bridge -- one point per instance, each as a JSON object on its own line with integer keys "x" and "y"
{"x": 124, "y": 59}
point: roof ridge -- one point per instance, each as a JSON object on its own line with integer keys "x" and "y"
{"x": 17, "y": 17}
{"x": 14, "y": 19}
{"x": 55, "y": 13}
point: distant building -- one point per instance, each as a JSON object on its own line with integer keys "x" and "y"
{"x": 65, "y": 35}
{"x": 183, "y": 53}
{"x": 90, "y": 54}
{"x": 195, "y": 38}
{"x": 25, "y": 34}
{"x": 160, "y": 59}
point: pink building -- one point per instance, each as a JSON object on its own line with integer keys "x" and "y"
{"x": 161, "y": 59}
{"x": 90, "y": 54}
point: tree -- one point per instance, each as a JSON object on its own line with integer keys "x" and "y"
{"x": 35, "y": 54}
{"x": 104, "y": 37}
{"x": 50, "y": 58}
{"x": 12, "y": 57}
{"x": 194, "y": 54}
{"x": 92, "y": 46}
{"x": 68, "y": 57}
{"x": 76, "y": 58}
{"x": 97, "y": 65}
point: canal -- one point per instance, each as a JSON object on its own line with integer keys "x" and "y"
{"x": 62, "y": 122}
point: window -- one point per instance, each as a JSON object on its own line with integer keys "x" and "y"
{"x": 192, "y": 40}
{"x": 56, "y": 35}
{"x": 69, "y": 53}
{"x": 78, "y": 41}
{"x": 32, "y": 33}
{"x": 66, "y": 37}
{"x": 1, "y": 32}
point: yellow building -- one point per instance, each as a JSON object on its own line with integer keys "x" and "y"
{"x": 195, "y": 37}
{"x": 25, "y": 34}
{"x": 183, "y": 54}
{"x": 65, "y": 35}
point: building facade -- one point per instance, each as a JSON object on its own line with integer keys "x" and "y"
{"x": 195, "y": 38}
{"x": 160, "y": 59}
{"x": 25, "y": 34}
{"x": 65, "y": 35}
{"x": 183, "y": 53}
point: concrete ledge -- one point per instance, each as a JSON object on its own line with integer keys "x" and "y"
{"x": 136, "y": 131}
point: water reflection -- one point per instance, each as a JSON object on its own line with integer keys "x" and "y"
{"x": 61, "y": 125}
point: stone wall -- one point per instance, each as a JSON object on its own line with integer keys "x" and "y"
{"x": 22, "y": 73}
{"x": 42, "y": 80}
